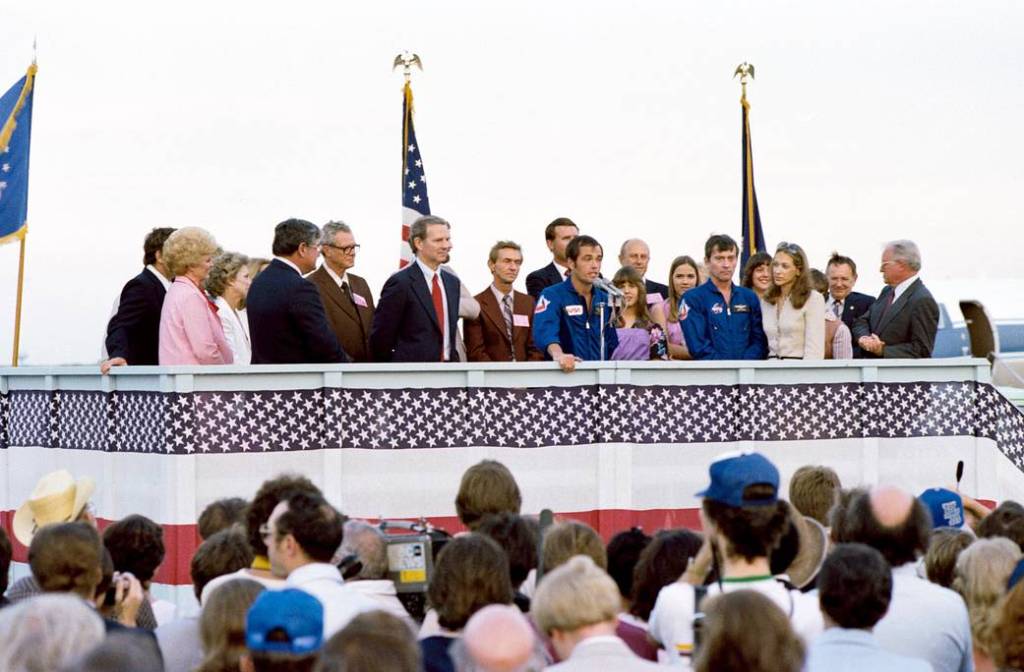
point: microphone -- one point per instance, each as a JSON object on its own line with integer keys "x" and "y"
{"x": 608, "y": 287}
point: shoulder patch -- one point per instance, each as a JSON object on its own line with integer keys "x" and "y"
{"x": 542, "y": 305}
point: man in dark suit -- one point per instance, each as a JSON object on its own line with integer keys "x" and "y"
{"x": 842, "y": 301}
{"x": 416, "y": 317}
{"x": 346, "y": 297}
{"x": 133, "y": 333}
{"x": 503, "y": 331}
{"x": 904, "y": 319}
{"x": 287, "y": 324}
{"x": 557, "y": 235}
{"x": 636, "y": 253}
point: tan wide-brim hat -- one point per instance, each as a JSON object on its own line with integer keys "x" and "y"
{"x": 813, "y": 547}
{"x": 57, "y": 498}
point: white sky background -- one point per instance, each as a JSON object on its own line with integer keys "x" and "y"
{"x": 870, "y": 121}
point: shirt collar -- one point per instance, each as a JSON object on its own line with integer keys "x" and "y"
{"x": 902, "y": 287}
{"x": 159, "y": 276}
{"x": 562, "y": 270}
{"x": 314, "y": 571}
{"x": 289, "y": 263}
{"x": 498, "y": 295}
{"x": 427, "y": 273}
{"x": 334, "y": 276}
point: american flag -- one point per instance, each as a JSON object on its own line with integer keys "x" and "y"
{"x": 415, "y": 203}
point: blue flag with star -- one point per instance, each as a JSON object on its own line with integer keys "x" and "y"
{"x": 15, "y": 138}
{"x": 415, "y": 203}
{"x": 753, "y": 234}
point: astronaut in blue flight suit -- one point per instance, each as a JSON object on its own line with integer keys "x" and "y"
{"x": 567, "y": 319}
{"x": 723, "y": 320}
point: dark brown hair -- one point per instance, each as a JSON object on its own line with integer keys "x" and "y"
{"x": 316, "y": 526}
{"x": 67, "y": 558}
{"x": 549, "y": 230}
{"x": 374, "y": 640}
{"x": 487, "y": 488}
{"x": 732, "y": 644}
{"x": 801, "y": 284}
{"x": 223, "y": 553}
{"x": 661, "y": 563}
{"x": 750, "y": 531}
{"x": 518, "y": 537}
{"x": 813, "y": 490}
{"x": 220, "y": 515}
{"x": 837, "y": 259}
{"x": 673, "y": 297}
{"x": 899, "y": 544}
{"x": 943, "y": 548}
{"x": 154, "y": 243}
{"x": 627, "y": 275}
{"x": 267, "y": 497}
{"x": 136, "y": 545}
{"x": 755, "y": 262}
{"x": 471, "y": 572}
{"x": 567, "y": 538}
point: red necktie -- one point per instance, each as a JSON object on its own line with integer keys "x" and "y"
{"x": 439, "y": 309}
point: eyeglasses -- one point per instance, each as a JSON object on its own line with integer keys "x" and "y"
{"x": 347, "y": 249}
{"x": 788, "y": 247}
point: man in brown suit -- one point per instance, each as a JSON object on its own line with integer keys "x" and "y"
{"x": 503, "y": 332}
{"x": 346, "y": 297}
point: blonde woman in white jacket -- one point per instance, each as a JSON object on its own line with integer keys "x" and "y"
{"x": 793, "y": 313}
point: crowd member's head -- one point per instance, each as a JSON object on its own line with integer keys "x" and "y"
{"x": 518, "y": 537}
{"x": 575, "y": 602}
{"x": 222, "y": 624}
{"x": 584, "y": 255}
{"x": 220, "y": 515}
{"x": 431, "y": 241}
{"x": 624, "y": 552}
{"x": 153, "y": 249}
{"x": 338, "y": 247}
{"x": 1006, "y": 520}
{"x": 790, "y": 276}
{"x": 683, "y": 275}
{"x": 945, "y": 507}
{"x": 371, "y": 641}
{"x": 819, "y": 282}
{"x": 944, "y": 547}
{"x": 56, "y": 498}
{"x": 901, "y": 259}
{"x": 662, "y": 562}
{"x": 842, "y": 276}
{"x": 557, "y": 235}
{"x": 302, "y": 529}
{"x": 741, "y": 508}
{"x": 121, "y": 651}
{"x": 890, "y": 520}
{"x": 813, "y": 490}
{"x": 189, "y": 252}
{"x": 636, "y": 254}
{"x": 46, "y": 632}
{"x": 283, "y": 632}
{"x": 229, "y": 277}
{"x": 298, "y": 241}
{"x": 720, "y": 258}
{"x": 497, "y": 638}
{"x": 267, "y": 497}
{"x": 225, "y": 552}
{"x": 633, "y": 291}
{"x": 854, "y": 587}
{"x": 800, "y": 550}
{"x": 136, "y": 545}
{"x": 366, "y": 544}
{"x": 757, "y": 273}
{"x": 6, "y": 552}
{"x": 487, "y": 488}
{"x": 567, "y": 538}
{"x": 1008, "y": 633}
{"x": 504, "y": 261}
{"x": 982, "y": 570}
{"x": 67, "y": 558}
{"x": 837, "y": 514}
{"x": 730, "y": 643}
{"x": 471, "y": 572}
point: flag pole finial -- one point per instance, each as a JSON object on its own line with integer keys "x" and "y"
{"x": 34, "y": 37}
{"x": 744, "y": 70}
{"x": 407, "y": 60}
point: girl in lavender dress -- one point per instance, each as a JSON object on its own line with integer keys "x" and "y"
{"x": 641, "y": 328}
{"x": 683, "y": 275}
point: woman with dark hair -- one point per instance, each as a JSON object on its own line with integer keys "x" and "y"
{"x": 745, "y": 631}
{"x": 793, "y": 314}
{"x": 640, "y": 328}
{"x": 757, "y": 273}
{"x": 683, "y": 275}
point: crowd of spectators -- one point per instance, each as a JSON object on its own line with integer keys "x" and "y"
{"x": 832, "y": 579}
{"x": 195, "y": 304}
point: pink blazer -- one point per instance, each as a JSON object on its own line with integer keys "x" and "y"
{"x": 190, "y": 333}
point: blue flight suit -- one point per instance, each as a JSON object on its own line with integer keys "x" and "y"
{"x": 715, "y": 330}
{"x": 561, "y": 317}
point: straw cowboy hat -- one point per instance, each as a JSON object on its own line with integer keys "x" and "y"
{"x": 57, "y": 498}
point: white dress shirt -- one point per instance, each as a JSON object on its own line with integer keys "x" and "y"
{"x": 428, "y": 275}
{"x": 236, "y": 330}
{"x": 341, "y": 603}
{"x": 902, "y": 287}
{"x": 289, "y": 263}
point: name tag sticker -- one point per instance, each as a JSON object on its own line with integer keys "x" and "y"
{"x": 741, "y": 308}
{"x": 574, "y": 311}
{"x": 521, "y": 320}
{"x": 654, "y": 297}
{"x": 360, "y": 301}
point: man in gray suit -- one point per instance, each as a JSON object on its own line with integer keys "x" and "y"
{"x": 903, "y": 321}
{"x": 577, "y": 607}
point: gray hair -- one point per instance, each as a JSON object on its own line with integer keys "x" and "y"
{"x": 630, "y": 241}
{"x": 46, "y": 632}
{"x": 225, "y": 268}
{"x": 907, "y": 252}
{"x": 367, "y": 543}
{"x": 419, "y": 228}
{"x": 331, "y": 229}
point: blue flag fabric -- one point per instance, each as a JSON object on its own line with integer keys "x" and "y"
{"x": 415, "y": 203}
{"x": 752, "y": 235}
{"x": 15, "y": 137}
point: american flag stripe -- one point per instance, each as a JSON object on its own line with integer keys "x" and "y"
{"x": 415, "y": 202}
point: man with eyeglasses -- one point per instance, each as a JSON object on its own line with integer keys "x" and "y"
{"x": 286, "y": 316}
{"x": 347, "y": 300}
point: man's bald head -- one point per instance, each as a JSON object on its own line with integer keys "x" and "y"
{"x": 635, "y": 253}
{"x": 498, "y": 638}
{"x": 888, "y": 519}
{"x": 890, "y": 505}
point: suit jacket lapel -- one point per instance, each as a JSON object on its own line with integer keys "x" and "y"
{"x": 424, "y": 294}
{"x": 491, "y": 310}
{"x": 897, "y": 305}
{"x": 337, "y": 294}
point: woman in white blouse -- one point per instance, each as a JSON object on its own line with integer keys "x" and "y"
{"x": 792, "y": 312}
{"x": 228, "y": 284}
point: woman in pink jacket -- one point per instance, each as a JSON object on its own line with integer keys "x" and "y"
{"x": 190, "y": 330}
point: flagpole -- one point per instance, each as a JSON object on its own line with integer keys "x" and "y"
{"x": 17, "y": 303}
{"x": 745, "y": 70}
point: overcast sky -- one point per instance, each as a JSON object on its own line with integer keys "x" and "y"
{"x": 870, "y": 121}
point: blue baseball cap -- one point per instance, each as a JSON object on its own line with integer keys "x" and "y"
{"x": 1016, "y": 575}
{"x": 733, "y": 473}
{"x": 945, "y": 506}
{"x": 295, "y": 615}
